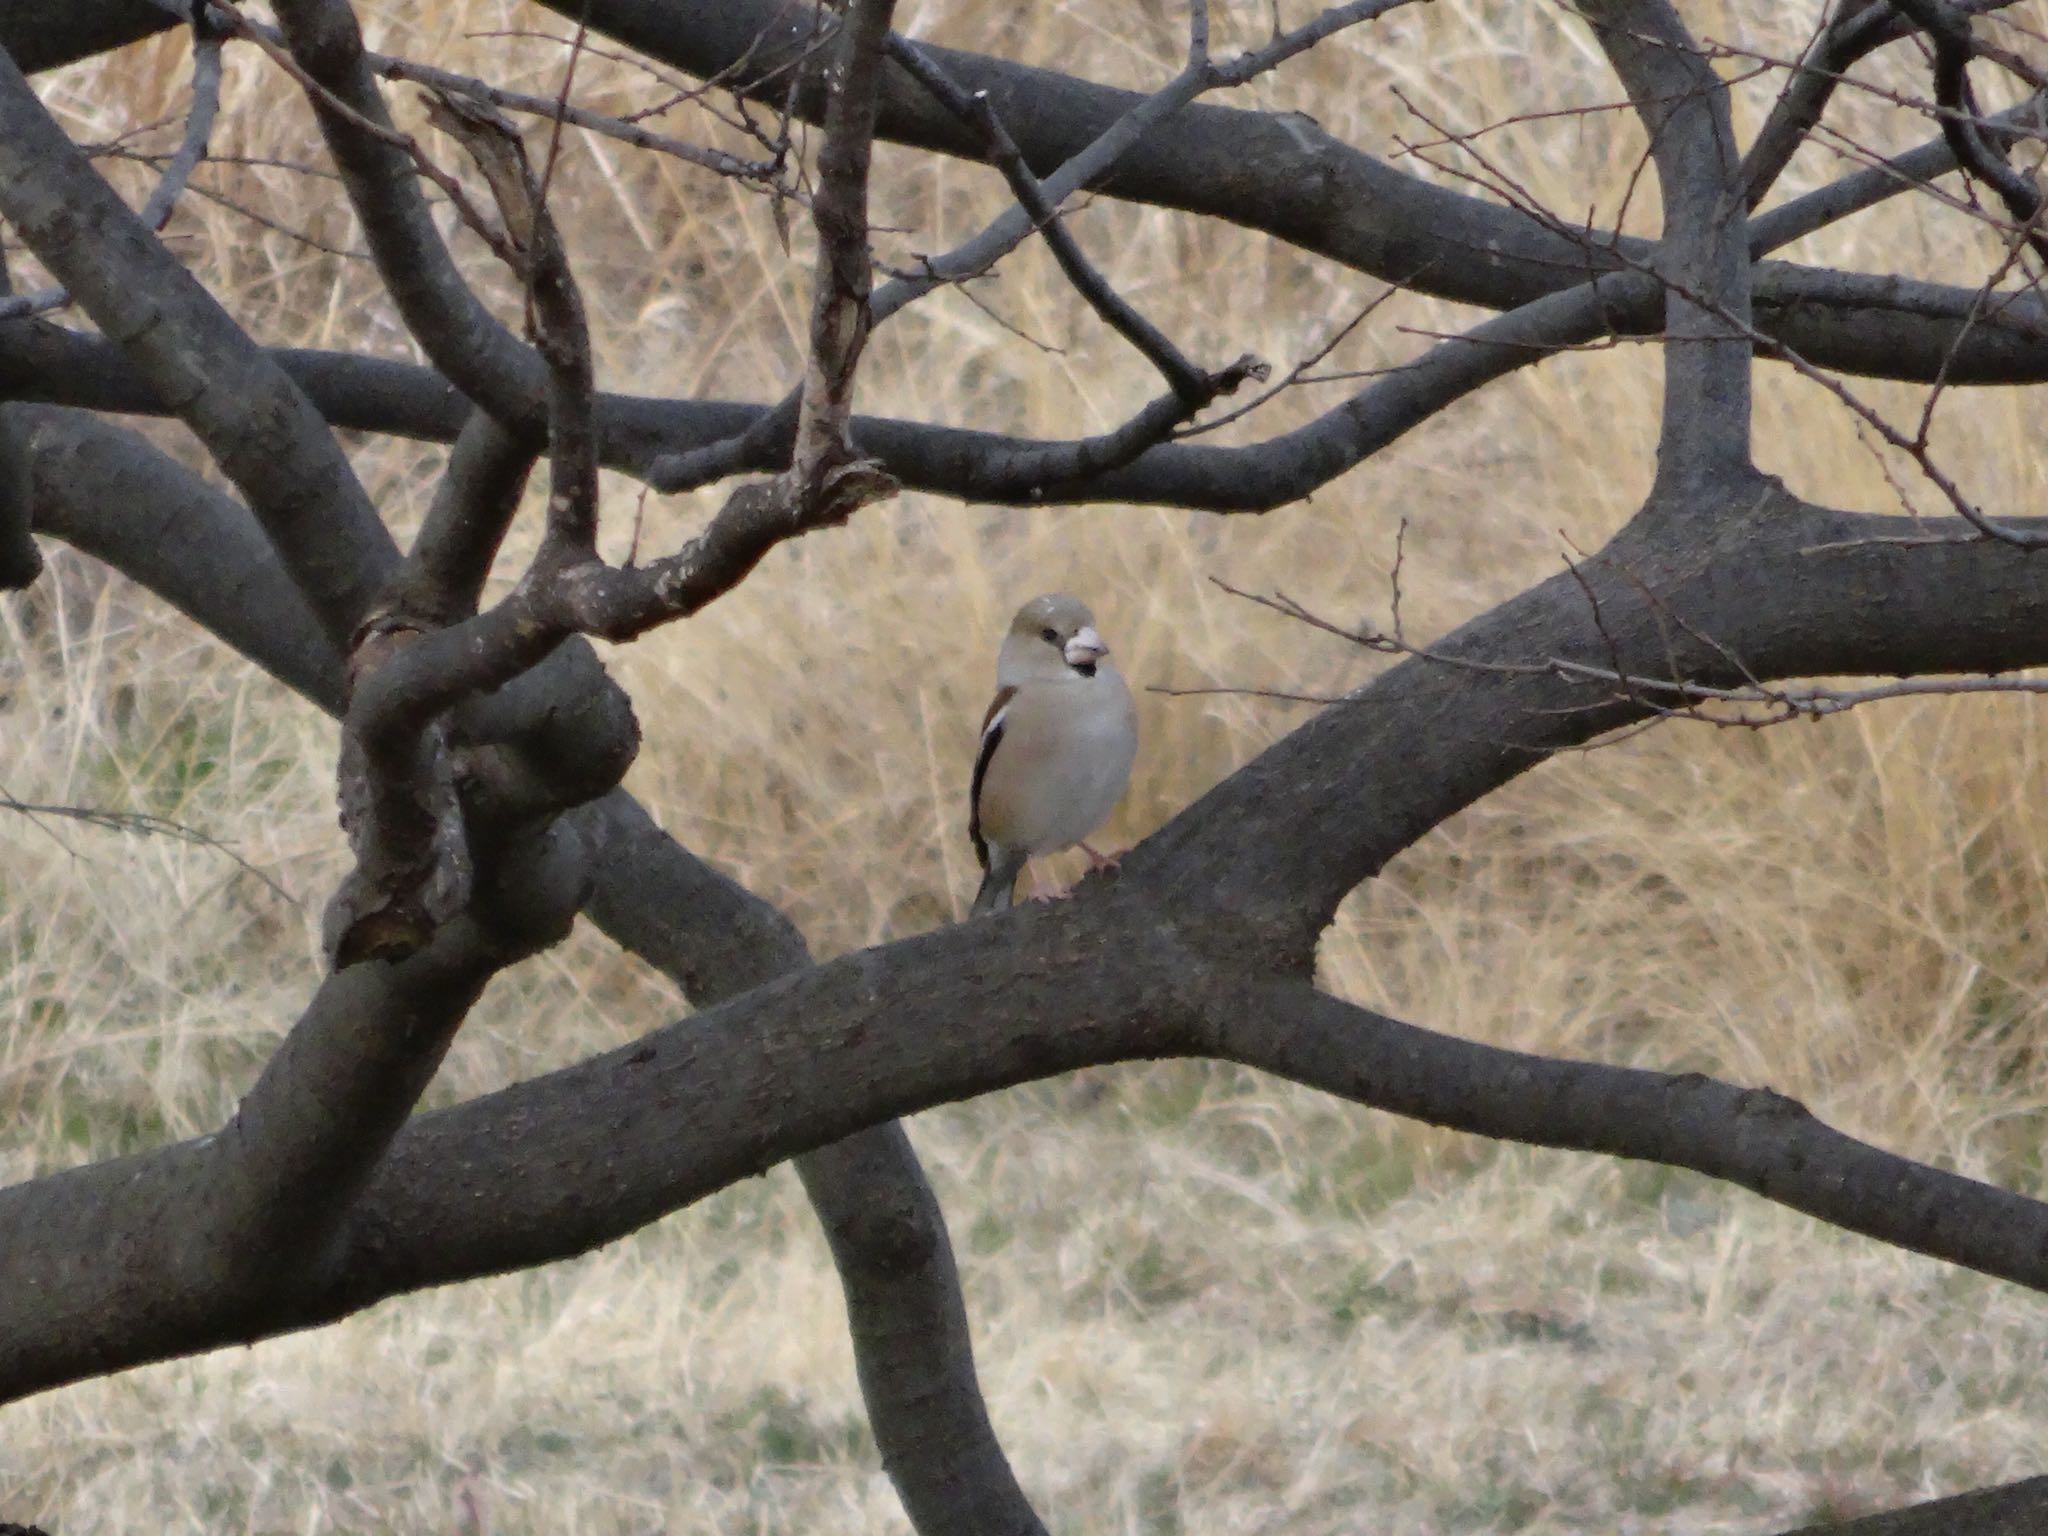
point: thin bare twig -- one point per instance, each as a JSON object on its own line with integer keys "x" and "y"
{"x": 1917, "y": 448}
{"x": 140, "y": 824}
{"x": 1299, "y": 373}
{"x": 761, "y": 443}
{"x": 1184, "y": 377}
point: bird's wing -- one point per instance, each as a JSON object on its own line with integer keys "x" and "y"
{"x": 991, "y": 733}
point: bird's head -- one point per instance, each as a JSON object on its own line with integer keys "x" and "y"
{"x": 1051, "y": 636}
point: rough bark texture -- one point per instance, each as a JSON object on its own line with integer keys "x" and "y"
{"x": 2017, "y": 1509}
{"x": 498, "y": 725}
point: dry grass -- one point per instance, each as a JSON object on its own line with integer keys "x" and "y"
{"x": 1205, "y": 1301}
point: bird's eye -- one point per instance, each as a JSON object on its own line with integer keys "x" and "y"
{"x": 1050, "y": 636}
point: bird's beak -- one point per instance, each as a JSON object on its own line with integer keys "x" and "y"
{"x": 1086, "y": 647}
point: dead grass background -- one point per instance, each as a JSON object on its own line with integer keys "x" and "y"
{"x": 1204, "y": 1301}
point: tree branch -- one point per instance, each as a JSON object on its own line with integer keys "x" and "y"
{"x": 1844, "y": 602}
{"x": 218, "y": 1233}
{"x": 1954, "y": 46}
{"x": 568, "y": 725}
{"x": 763, "y": 443}
{"x": 1279, "y": 173}
{"x": 20, "y": 561}
{"x": 177, "y": 171}
{"x": 111, "y": 493}
{"x": 1868, "y": 321}
{"x": 253, "y": 419}
{"x": 1703, "y": 254}
{"x": 1275, "y": 172}
{"x": 766, "y": 442}
{"x": 690, "y": 1108}
{"x": 1856, "y": 29}
{"x": 39, "y": 36}
{"x": 474, "y": 502}
{"x": 888, "y": 1236}
{"x": 464, "y": 340}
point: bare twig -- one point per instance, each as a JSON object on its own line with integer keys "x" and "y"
{"x": 840, "y": 318}
{"x": 1751, "y": 706}
{"x": 763, "y": 443}
{"x": 1299, "y": 373}
{"x": 1741, "y": 326}
{"x": 555, "y": 319}
{"x": 556, "y": 109}
{"x": 140, "y": 824}
{"x": 1955, "y": 45}
{"x": 1193, "y": 384}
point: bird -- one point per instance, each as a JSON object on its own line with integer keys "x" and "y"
{"x": 1057, "y": 745}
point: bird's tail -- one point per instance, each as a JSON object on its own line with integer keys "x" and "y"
{"x": 996, "y": 886}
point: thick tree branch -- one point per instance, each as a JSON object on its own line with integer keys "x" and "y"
{"x": 20, "y": 561}
{"x": 253, "y": 419}
{"x": 473, "y": 505}
{"x": 229, "y": 1225}
{"x": 1274, "y": 172}
{"x": 568, "y": 726}
{"x": 177, "y": 171}
{"x": 39, "y": 36}
{"x": 887, "y": 1233}
{"x": 1754, "y": 1137}
{"x": 1703, "y": 255}
{"x": 992, "y": 467}
{"x": 1843, "y": 602}
{"x": 2013, "y": 1509}
{"x": 1281, "y": 174}
{"x": 1868, "y": 319}
{"x": 799, "y": 1063}
{"x": 464, "y": 340}
{"x": 107, "y": 491}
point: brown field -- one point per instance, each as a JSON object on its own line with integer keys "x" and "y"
{"x": 1205, "y": 1301}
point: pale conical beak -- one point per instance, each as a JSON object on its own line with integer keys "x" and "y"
{"x": 1086, "y": 647}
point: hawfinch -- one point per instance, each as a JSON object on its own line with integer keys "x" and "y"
{"x": 1056, "y": 745}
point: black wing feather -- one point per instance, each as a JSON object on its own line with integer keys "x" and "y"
{"x": 991, "y": 733}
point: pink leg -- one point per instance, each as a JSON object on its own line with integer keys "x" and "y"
{"x": 1042, "y": 890}
{"x": 1101, "y": 861}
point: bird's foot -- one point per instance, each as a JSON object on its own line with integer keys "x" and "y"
{"x": 1098, "y": 862}
{"x": 1044, "y": 890}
